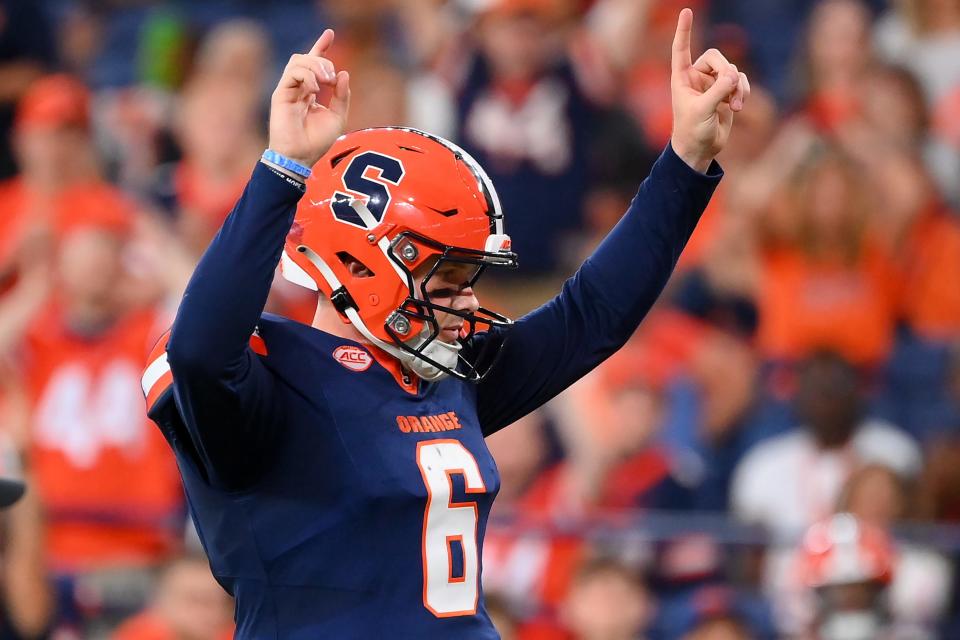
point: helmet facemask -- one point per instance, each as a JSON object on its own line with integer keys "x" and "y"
{"x": 425, "y": 353}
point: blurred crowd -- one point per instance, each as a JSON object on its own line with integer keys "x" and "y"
{"x": 776, "y": 453}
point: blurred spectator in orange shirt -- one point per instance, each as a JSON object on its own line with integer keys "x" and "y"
{"x": 188, "y": 605}
{"x": 105, "y": 476}
{"x": 909, "y": 218}
{"x": 53, "y": 147}
{"x": 925, "y": 238}
{"x": 826, "y": 284}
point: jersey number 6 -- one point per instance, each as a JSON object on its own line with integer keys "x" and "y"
{"x": 451, "y": 562}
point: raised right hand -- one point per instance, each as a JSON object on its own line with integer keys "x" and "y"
{"x": 706, "y": 94}
{"x": 301, "y": 128}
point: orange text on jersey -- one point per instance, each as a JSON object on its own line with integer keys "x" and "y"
{"x": 429, "y": 424}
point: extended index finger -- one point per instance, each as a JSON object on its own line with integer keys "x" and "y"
{"x": 680, "y": 59}
{"x": 322, "y": 44}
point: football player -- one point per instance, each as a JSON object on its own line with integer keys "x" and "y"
{"x": 337, "y": 473}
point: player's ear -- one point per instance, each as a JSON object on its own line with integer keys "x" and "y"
{"x": 356, "y": 268}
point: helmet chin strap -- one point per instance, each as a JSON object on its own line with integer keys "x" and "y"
{"x": 444, "y": 353}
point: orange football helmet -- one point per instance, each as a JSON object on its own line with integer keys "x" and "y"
{"x": 395, "y": 199}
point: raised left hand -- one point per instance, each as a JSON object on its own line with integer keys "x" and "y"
{"x": 706, "y": 94}
{"x": 301, "y": 128}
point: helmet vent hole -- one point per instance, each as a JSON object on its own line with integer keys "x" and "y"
{"x": 414, "y": 149}
{"x": 446, "y": 213}
{"x": 356, "y": 268}
{"x": 340, "y": 157}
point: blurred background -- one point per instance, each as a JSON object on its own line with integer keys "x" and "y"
{"x": 776, "y": 453}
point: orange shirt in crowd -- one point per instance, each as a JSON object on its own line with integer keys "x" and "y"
{"x": 22, "y": 210}
{"x": 106, "y": 477}
{"x": 149, "y": 626}
{"x": 930, "y": 295}
{"x": 807, "y": 305}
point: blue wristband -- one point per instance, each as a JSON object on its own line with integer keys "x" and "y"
{"x": 282, "y": 161}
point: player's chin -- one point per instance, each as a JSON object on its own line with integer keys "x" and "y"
{"x": 449, "y": 336}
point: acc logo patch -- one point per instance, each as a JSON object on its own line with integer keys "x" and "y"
{"x": 353, "y": 358}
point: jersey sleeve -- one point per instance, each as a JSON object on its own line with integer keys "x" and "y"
{"x": 601, "y": 306}
{"x": 224, "y": 394}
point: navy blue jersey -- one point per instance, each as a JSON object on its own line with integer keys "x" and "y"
{"x": 335, "y": 500}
